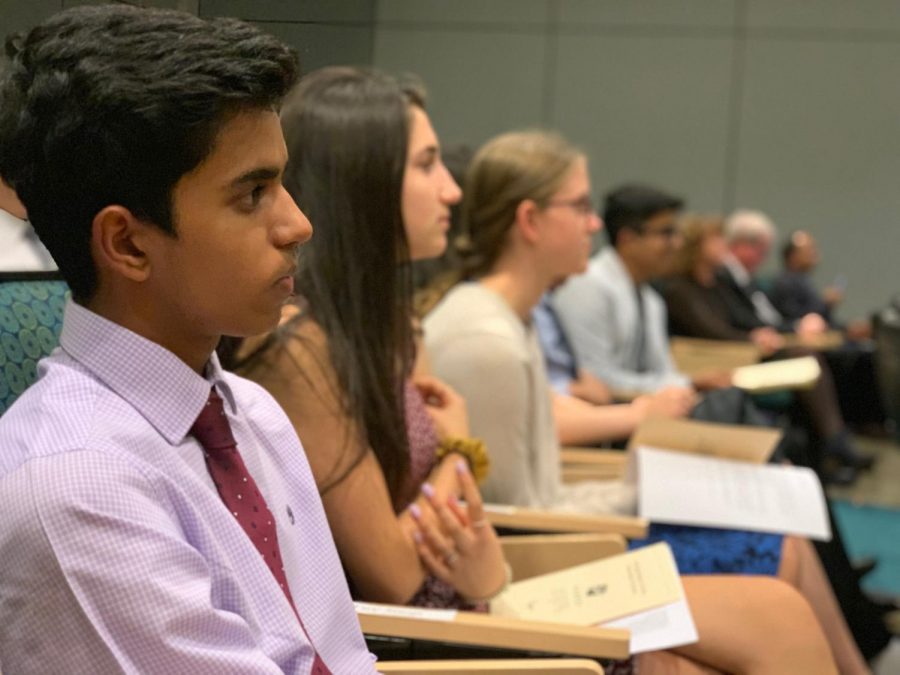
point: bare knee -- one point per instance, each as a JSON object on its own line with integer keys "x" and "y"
{"x": 754, "y": 624}
{"x": 784, "y": 624}
{"x": 791, "y": 553}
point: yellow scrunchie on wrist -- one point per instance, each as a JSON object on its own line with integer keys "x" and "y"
{"x": 473, "y": 449}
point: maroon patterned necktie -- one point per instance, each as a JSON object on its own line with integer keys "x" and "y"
{"x": 241, "y": 496}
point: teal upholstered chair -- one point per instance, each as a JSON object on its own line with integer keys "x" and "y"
{"x": 31, "y": 314}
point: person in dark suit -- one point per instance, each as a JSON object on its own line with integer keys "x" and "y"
{"x": 750, "y": 235}
{"x": 703, "y": 303}
{"x": 794, "y": 294}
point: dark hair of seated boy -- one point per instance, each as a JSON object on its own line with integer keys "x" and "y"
{"x": 159, "y": 514}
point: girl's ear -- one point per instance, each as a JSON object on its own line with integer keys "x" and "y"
{"x": 528, "y": 215}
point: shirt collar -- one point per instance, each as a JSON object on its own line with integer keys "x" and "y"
{"x": 160, "y": 386}
{"x": 15, "y": 228}
{"x": 622, "y": 273}
{"x": 738, "y": 271}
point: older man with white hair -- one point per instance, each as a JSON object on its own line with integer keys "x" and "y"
{"x": 750, "y": 237}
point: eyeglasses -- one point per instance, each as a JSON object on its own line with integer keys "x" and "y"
{"x": 583, "y": 205}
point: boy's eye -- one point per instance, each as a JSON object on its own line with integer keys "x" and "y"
{"x": 251, "y": 200}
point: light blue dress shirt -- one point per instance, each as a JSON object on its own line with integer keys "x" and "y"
{"x": 117, "y": 552}
{"x": 558, "y": 356}
{"x": 599, "y": 312}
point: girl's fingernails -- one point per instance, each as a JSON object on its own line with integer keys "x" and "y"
{"x": 462, "y": 466}
{"x": 417, "y": 536}
{"x": 428, "y": 490}
{"x": 415, "y": 511}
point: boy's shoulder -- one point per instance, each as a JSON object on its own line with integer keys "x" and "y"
{"x": 67, "y": 409}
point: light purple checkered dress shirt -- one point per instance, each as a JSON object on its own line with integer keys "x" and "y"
{"x": 116, "y": 552}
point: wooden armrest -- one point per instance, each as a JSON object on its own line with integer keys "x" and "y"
{"x": 498, "y": 667}
{"x": 535, "y": 554}
{"x": 727, "y": 441}
{"x": 830, "y": 339}
{"x": 735, "y": 348}
{"x": 535, "y": 520}
{"x": 473, "y": 628}
{"x": 581, "y": 464}
{"x": 693, "y": 356}
{"x": 574, "y": 473}
{"x": 572, "y": 455}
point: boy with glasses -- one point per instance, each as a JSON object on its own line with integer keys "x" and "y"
{"x": 616, "y": 323}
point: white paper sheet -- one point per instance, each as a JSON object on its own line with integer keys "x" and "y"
{"x": 404, "y": 612}
{"x": 691, "y": 490}
{"x": 660, "y": 628}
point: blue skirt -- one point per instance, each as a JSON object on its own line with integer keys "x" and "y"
{"x": 706, "y": 550}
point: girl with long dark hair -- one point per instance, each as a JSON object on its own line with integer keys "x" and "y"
{"x": 389, "y": 444}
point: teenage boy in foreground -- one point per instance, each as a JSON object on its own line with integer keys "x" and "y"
{"x": 159, "y": 514}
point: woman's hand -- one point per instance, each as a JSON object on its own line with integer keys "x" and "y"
{"x": 446, "y": 407}
{"x": 459, "y": 546}
{"x": 811, "y": 325}
{"x": 667, "y": 402}
{"x": 711, "y": 380}
{"x": 589, "y": 388}
{"x": 768, "y": 340}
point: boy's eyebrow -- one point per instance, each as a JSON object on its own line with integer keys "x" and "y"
{"x": 265, "y": 173}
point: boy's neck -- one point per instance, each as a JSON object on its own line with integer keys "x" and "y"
{"x": 145, "y": 320}
{"x": 10, "y": 203}
{"x": 638, "y": 276}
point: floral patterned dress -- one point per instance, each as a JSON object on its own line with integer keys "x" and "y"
{"x": 423, "y": 442}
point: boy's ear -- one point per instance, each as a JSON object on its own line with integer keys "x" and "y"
{"x": 527, "y": 214}
{"x": 119, "y": 241}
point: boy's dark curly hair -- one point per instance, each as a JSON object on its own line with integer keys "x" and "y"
{"x": 114, "y": 104}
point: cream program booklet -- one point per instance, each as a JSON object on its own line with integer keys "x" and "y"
{"x": 597, "y": 591}
{"x": 761, "y": 378}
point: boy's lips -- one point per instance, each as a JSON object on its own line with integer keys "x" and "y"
{"x": 286, "y": 283}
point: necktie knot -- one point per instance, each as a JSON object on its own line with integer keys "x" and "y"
{"x": 211, "y": 428}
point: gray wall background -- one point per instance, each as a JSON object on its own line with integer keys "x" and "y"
{"x": 790, "y": 106}
{"x": 323, "y": 31}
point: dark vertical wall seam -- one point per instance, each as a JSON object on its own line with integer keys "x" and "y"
{"x": 735, "y": 106}
{"x": 551, "y": 49}
{"x": 373, "y": 26}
